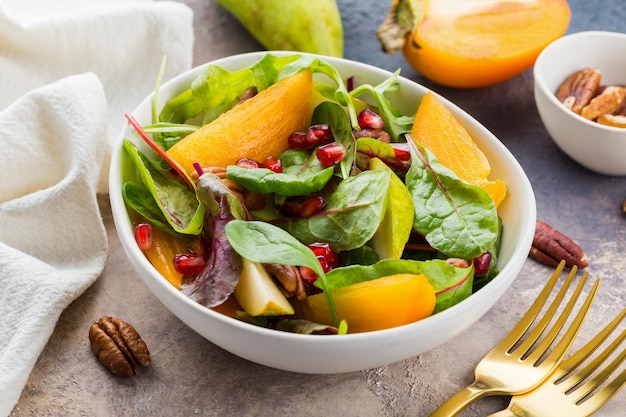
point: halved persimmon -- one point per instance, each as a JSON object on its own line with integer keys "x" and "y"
{"x": 436, "y": 129}
{"x": 472, "y": 43}
{"x": 377, "y": 304}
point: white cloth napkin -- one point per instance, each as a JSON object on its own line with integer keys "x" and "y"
{"x": 69, "y": 70}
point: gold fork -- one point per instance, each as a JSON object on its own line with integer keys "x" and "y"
{"x": 516, "y": 366}
{"x": 564, "y": 393}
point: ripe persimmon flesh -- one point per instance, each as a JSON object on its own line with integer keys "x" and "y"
{"x": 377, "y": 304}
{"x": 436, "y": 129}
{"x": 255, "y": 129}
{"x": 476, "y": 43}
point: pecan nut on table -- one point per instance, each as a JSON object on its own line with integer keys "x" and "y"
{"x": 118, "y": 346}
{"x": 550, "y": 246}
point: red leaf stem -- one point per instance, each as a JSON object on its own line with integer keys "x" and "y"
{"x": 146, "y": 137}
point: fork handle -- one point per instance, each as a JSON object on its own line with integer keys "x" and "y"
{"x": 459, "y": 401}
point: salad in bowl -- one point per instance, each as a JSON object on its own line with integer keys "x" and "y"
{"x": 291, "y": 206}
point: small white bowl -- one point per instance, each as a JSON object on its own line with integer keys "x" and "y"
{"x": 597, "y": 147}
{"x": 352, "y": 352}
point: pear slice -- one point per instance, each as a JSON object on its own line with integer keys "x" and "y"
{"x": 397, "y": 223}
{"x": 258, "y": 294}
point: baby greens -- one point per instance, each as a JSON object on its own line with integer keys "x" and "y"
{"x": 457, "y": 219}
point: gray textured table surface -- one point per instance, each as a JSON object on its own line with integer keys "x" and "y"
{"x": 191, "y": 376}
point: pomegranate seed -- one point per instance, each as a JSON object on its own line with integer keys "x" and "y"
{"x": 297, "y": 140}
{"x": 369, "y": 120}
{"x": 319, "y": 134}
{"x": 323, "y": 249}
{"x": 143, "y": 236}
{"x": 308, "y": 275}
{"x": 401, "y": 151}
{"x": 272, "y": 163}
{"x": 325, "y": 264}
{"x": 247, "y": 163}
{"x": 311, "y": 205}
{"x": 188, "y": 263}
{"x": 481, "y": 264}
{"x": 330, "y": 153}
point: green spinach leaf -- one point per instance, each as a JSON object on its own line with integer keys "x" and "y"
{"x": 180, "y": 207}
{"x": 457, "y": 218}
{"x": 452, "y": 285}
{"x": 352, "y": 214}
{"x": 302, "y": 175}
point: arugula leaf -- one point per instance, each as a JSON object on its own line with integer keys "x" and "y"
{"x": 265, "y": 243}
{"x": 335, "y": 116}
{"x": 352, "y": 214}
{"x": 456, "y": 217}
{"x": 180, "y": 207}
{"x": 396, "y": 124}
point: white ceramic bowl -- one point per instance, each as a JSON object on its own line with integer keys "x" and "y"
{"x": 597, "y": 147}
{"x": 334, "y": 354}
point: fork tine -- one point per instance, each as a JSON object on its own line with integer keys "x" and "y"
{"x": 566, "y": 341}
{"x": 605, "y": 394}
{"x": 533, "y": 311}
{"x": 570, "y": 382}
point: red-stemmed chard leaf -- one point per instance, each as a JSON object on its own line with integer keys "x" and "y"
{"x": 146, "y": 137}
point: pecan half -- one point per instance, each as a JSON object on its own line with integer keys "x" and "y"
{"x": 579, "y": 88}
{"x": 118, "y": 346}
{"x": 615, "y": 120}
{"x": 290, "y": 279}
{"x": 607, "y": 102}
{"x": 551, "y": 246}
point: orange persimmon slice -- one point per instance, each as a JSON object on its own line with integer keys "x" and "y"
{"x": 436, "y": 129}
{"x": 255, "y": 129}
{"x": 378, "y": 304}
{"x": 162, "y": 252}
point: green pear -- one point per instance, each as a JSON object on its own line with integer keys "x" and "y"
{"x": 257, "y": 293}
{"x": 312, "y": 26}
{"x": 397, "y": 223}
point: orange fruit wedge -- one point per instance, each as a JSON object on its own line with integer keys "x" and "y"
{"x": 436, "y": 129}
{"x": 475, "y": 43}
{"x": 161, "y": 254}
{"x": 255, "y": 129}
{"x": 378, "y": 304}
